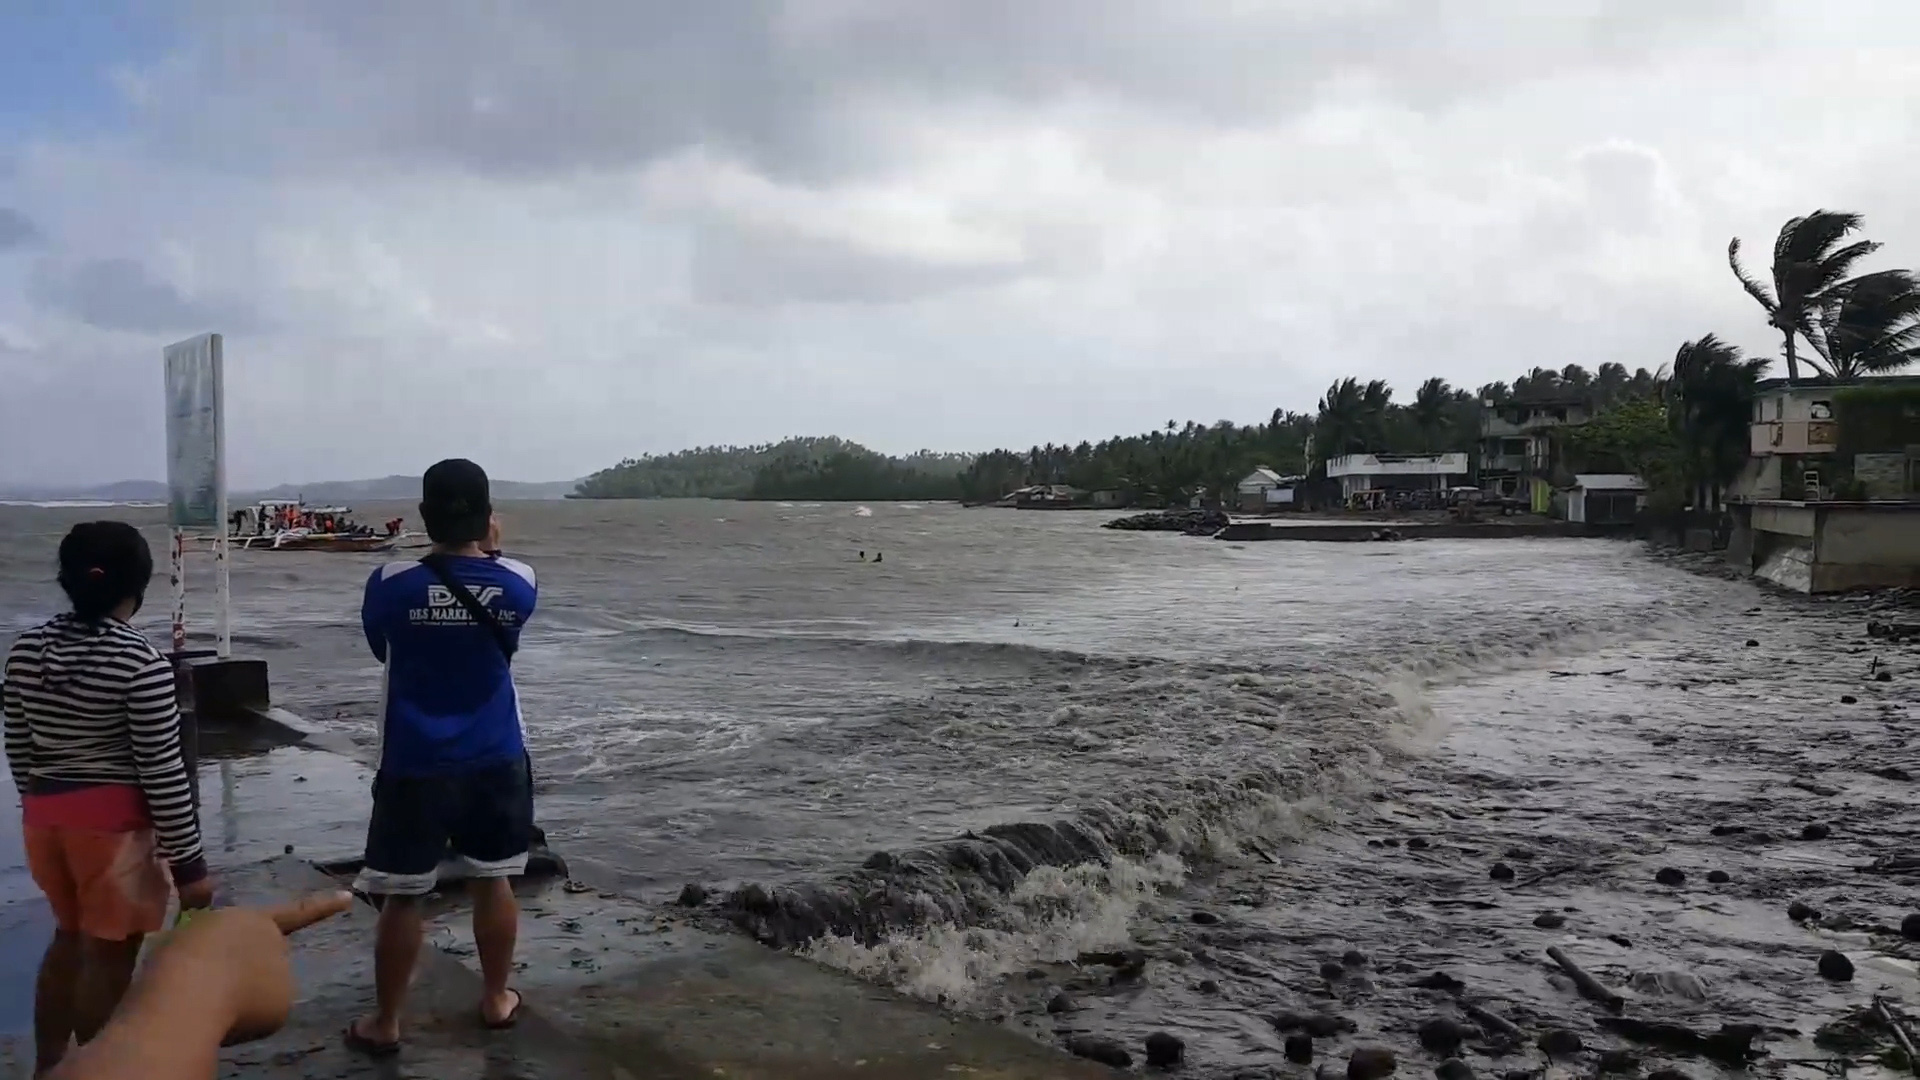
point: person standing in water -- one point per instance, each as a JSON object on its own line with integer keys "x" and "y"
{"x": 454, "y": 776}
{"x": 92, "y": 733}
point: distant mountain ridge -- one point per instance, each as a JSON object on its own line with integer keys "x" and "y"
{"x": 384, "y": 489}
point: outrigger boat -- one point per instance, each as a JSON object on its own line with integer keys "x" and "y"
{"x": 291, "y": 525}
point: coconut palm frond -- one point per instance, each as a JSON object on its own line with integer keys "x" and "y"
{"x": 1747, "y": 281}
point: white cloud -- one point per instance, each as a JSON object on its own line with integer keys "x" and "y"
{"x": 552, "y": 235}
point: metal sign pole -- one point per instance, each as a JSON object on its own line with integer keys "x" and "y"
{"x": 178, "y": 547}
{"x": 222, "y": 586}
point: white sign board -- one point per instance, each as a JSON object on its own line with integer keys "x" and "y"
{"x": 196, "y": 466}
{"x": 197, "y": 472}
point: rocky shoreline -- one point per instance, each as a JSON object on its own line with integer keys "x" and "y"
{"x": 1186, "y": 522}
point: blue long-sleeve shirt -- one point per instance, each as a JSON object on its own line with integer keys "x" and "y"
{"x": 448, "y": 703}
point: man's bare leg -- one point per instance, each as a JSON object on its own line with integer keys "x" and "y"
{"x": 396, "y": 950}
{"x": 496, "y": 930}
{"x": 55, "y": 998}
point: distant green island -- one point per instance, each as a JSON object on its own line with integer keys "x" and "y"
{"x": 823, "y": 469}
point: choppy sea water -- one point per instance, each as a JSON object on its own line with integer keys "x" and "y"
{"x": 1229, "y": 764}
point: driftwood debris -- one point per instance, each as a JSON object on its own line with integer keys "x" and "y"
{"x": 1731, "y": 1045}
{"x": 1893, "y": 631}
{"x": 1898, "y": 1026}
{"x": 1554, "y": 873}
{"x": 1494, "y": 1023}
{"x": 1590, "y": 987}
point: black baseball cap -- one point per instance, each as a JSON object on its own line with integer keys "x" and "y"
{"x": 456, "y": 502}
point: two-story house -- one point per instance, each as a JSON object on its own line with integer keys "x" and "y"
{"x": 1516, "y": 446}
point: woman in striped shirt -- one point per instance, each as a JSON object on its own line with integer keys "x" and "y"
{"x": 93, "y": 742}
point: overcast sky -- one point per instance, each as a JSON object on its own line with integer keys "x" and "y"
{"x": 548, "y": 234}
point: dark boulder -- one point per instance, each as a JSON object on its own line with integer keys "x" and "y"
{"x": 1061, "y": 1003}
{"x": 1299, "y": 1049}
{"x": 1165, "y": 1051}
{"x": 693, "y": 895}
{"x": 1719, "y": 877}
{"x": 1441, "y": 1035}
{"x": 1549, "y": 920}
{"x": 1331, "y": 970}
{"x": 1671, "y": 877}
{"x": 1800, "y": 912}
{"x": 1560, "y": 1043}
{"x": 1371, "y": 1063}
{"x": 1502, "y": 872}
{"x": 1105, "y": 1051}
{"x": 1617, "y": 1061}
{"x": 1910, "y": 927}
{"x": 1354, "y": 958}
{"x": 1453, "y": 1069}
{"x": 1835, "y": 966}
{"x": 1204, "y": 918}
{"x": 1816, "y": 831}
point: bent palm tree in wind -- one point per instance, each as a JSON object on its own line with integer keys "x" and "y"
{"x": 1709, "y": 402}
{"x": 1810, "y": 263}
{"x": 1873, "y": 327}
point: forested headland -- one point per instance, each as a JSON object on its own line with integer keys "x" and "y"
{"x": 1681, "y": 423}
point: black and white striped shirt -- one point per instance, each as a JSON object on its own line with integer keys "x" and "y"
{"x": 95, "y": 704}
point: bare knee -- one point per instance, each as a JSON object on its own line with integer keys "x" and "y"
{"x": 491, "y": 892}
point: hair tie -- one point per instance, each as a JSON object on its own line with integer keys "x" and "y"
{"x": 96, "y": 572}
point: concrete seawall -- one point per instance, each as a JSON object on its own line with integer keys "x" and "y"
{"x": 1345, "y": 532}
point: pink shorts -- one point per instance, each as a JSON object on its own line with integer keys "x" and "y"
{"x": 92, "y": 852}
{"x": 107, "y": 885}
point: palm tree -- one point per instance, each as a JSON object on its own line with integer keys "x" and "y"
{"x": 1340, "y": 427}
{"x": 1431, "y": 404}
{"x": 1709, "y": 402}
{"x": 1874, "y": 327}
{"x": 1809, "y": 264}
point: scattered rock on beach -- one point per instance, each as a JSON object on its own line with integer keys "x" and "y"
{"x": 1617, "y": 1061}
{"x": 1204, "y": 918}
{"x": 1849, "y": 699}
{"x": 1331, "y": 970}
{"x": 1165, "y": 1051}
{"x": 1800, "y": 912}
{"x": 1668, "y": 1074}
{"x": 1835, "y": 966}
{"x": 693, "y": 895}
{"x": 1371, "y": 1063}
{"x": 1816, "y": 831}
{"x": 1440, "y": 980}
{"x": 1502, "y": 872}
{"x": 1354, "y": 958}
{"x": 1719, "y": 877}
{"x": 1299, "y": 1049}
{"x": 1208, "y": 986}
{"x": 1318, "y": 1025}
{"x": 1892, "y": 772}
{"x": 1453, "y": 1069}
{"x": 1441, "y": 1035}
{"x": 1549, "y": 920}
{"x": 1728, "y": 830}
{"x": 1560, "y": 1043}
{"x": 1884, "y": 676}
{"x": 1910, "y": 927}
{"x": 1752, "y": 644}
{"x": 1061, "y": 1003}
{"x": 1105, "y": 1051}
{"x": 1418, "y": 844}
{"x": 1670, "y": 876}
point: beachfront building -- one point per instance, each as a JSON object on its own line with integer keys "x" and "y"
{"x": 1395, "y": 473}
{"x": 1605, "y": 498}
{"x": 1516, "y": 446}
{"x": 1264, "y": 490}
{"x": 1830, "y": 496}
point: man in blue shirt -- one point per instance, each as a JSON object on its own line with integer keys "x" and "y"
{"x": 453, "y": 775}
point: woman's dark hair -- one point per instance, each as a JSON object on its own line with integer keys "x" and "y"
{"x": 102, "y": 565}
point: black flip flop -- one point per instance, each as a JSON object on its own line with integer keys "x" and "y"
{"x": 360, "y": 1044}
{"x": 513, "y": 1014}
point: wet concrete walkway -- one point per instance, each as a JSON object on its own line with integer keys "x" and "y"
{"x": 617, "y": 990}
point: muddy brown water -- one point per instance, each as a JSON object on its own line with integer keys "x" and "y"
{"x": 1282, "y": 752}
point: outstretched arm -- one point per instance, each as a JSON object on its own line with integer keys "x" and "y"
{"x": 222, "y": 978}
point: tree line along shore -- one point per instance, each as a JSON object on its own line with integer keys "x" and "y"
{"x": 1681, "y": 426}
